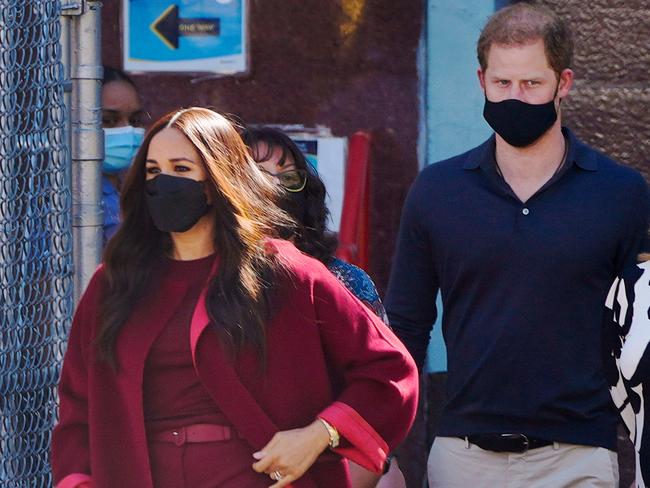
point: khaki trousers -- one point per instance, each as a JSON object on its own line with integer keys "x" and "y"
{"x": 454, "y": 463}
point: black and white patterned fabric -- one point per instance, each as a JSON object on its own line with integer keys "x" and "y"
{"x": 627, "y": 339}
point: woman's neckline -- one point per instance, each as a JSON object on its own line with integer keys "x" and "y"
{"x": 190, "y": 261}
{"x": 183, "y": 270}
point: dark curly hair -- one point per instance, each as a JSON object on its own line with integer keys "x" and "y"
{"x": 307, "y": 207}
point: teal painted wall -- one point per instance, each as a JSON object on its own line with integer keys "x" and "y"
{"x": 453, "y": 98}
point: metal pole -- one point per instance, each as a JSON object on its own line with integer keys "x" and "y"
{"x": 87, "y": 143}
{"x": 66, "y": 61}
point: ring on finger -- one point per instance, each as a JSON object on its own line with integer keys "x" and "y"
{"x": 276, "y": 475}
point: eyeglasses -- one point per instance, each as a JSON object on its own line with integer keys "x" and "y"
{"x": 293, "y": 180}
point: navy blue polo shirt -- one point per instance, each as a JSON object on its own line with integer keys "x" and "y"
{"x": 523, "y": 287}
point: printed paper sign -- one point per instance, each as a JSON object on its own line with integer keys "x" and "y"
{"x": 185, "y": 35}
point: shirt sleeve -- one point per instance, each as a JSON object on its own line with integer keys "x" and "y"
{"x": 413, "y": 285}
{"x": 376, "y": 401}
{"x": 70, "y": 451}
{"x": 636, "y": 238}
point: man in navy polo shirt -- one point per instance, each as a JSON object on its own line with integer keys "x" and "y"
{"x": 523, "y": 236}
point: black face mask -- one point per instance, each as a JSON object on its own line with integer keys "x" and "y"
{"x": 520, "y": 123}
{"x": 175, "y": 203}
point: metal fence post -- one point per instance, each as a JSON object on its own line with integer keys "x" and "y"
{"x": 87, "y": 142}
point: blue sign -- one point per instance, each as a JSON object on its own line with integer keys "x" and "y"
{"x": 185, "y": 35}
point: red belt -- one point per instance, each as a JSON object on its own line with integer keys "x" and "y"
{"x": 194, "y": 433}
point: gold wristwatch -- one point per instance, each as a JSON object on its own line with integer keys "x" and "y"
{"x": 333, "y": 433}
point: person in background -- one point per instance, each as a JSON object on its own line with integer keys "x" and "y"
{"x": 304, "y": 200}
{"x": 627, "y": 358}
{"x": 523, "y": 236}
{"x": 123, "y": 121}
{"x": 206, "y": 353}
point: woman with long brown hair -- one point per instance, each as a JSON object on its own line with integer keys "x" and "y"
{"x": 206, "y": 353}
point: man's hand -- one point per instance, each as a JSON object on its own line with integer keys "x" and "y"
{"x": 291, "y": 452}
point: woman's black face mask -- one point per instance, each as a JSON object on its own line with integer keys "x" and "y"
{"x": 175, "y": 204}
{"x": 295, "y": 204}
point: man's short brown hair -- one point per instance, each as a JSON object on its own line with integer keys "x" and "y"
{"x": 524, "y": 23}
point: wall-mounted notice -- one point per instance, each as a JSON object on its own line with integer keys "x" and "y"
{"x": 327, "y": 155}
{"x": 185, "y": 36}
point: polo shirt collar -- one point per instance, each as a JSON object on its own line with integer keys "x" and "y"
{"x": 579, "y": 154}
{"x": 481, "y": 156}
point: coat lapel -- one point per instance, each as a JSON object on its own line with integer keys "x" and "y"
{"x": 237, "y": 403}
{"x": 217, "y": 373}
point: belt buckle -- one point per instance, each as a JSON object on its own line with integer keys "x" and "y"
{"x": 525, "y": 443}
{"x": 179, "y": 436}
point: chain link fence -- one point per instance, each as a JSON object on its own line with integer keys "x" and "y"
{"x": 35, "y": 237}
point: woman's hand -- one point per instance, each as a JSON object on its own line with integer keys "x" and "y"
{"x": 291, "y": 452}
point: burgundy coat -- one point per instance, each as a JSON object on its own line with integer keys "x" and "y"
{"x": 328, "y": 356}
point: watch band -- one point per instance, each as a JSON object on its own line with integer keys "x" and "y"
{"x": 333, "y": 433}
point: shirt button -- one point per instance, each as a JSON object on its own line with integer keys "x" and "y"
{"x": 525, "y": 211}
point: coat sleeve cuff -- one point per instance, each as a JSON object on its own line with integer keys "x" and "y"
{"x": 76, "y": 480}
{"x": 367, "y": 448}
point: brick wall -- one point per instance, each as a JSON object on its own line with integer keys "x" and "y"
{"x": 609, "y": 106}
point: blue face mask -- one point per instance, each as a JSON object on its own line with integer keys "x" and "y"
{"x": 120, "y": 146}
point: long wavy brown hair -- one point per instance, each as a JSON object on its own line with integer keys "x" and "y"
{"x": 240, "y": 294}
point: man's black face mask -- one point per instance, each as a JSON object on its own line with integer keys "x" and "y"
{"x": 520, "y": 123}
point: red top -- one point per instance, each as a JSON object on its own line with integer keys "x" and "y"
{"x": 173, "y": 395}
